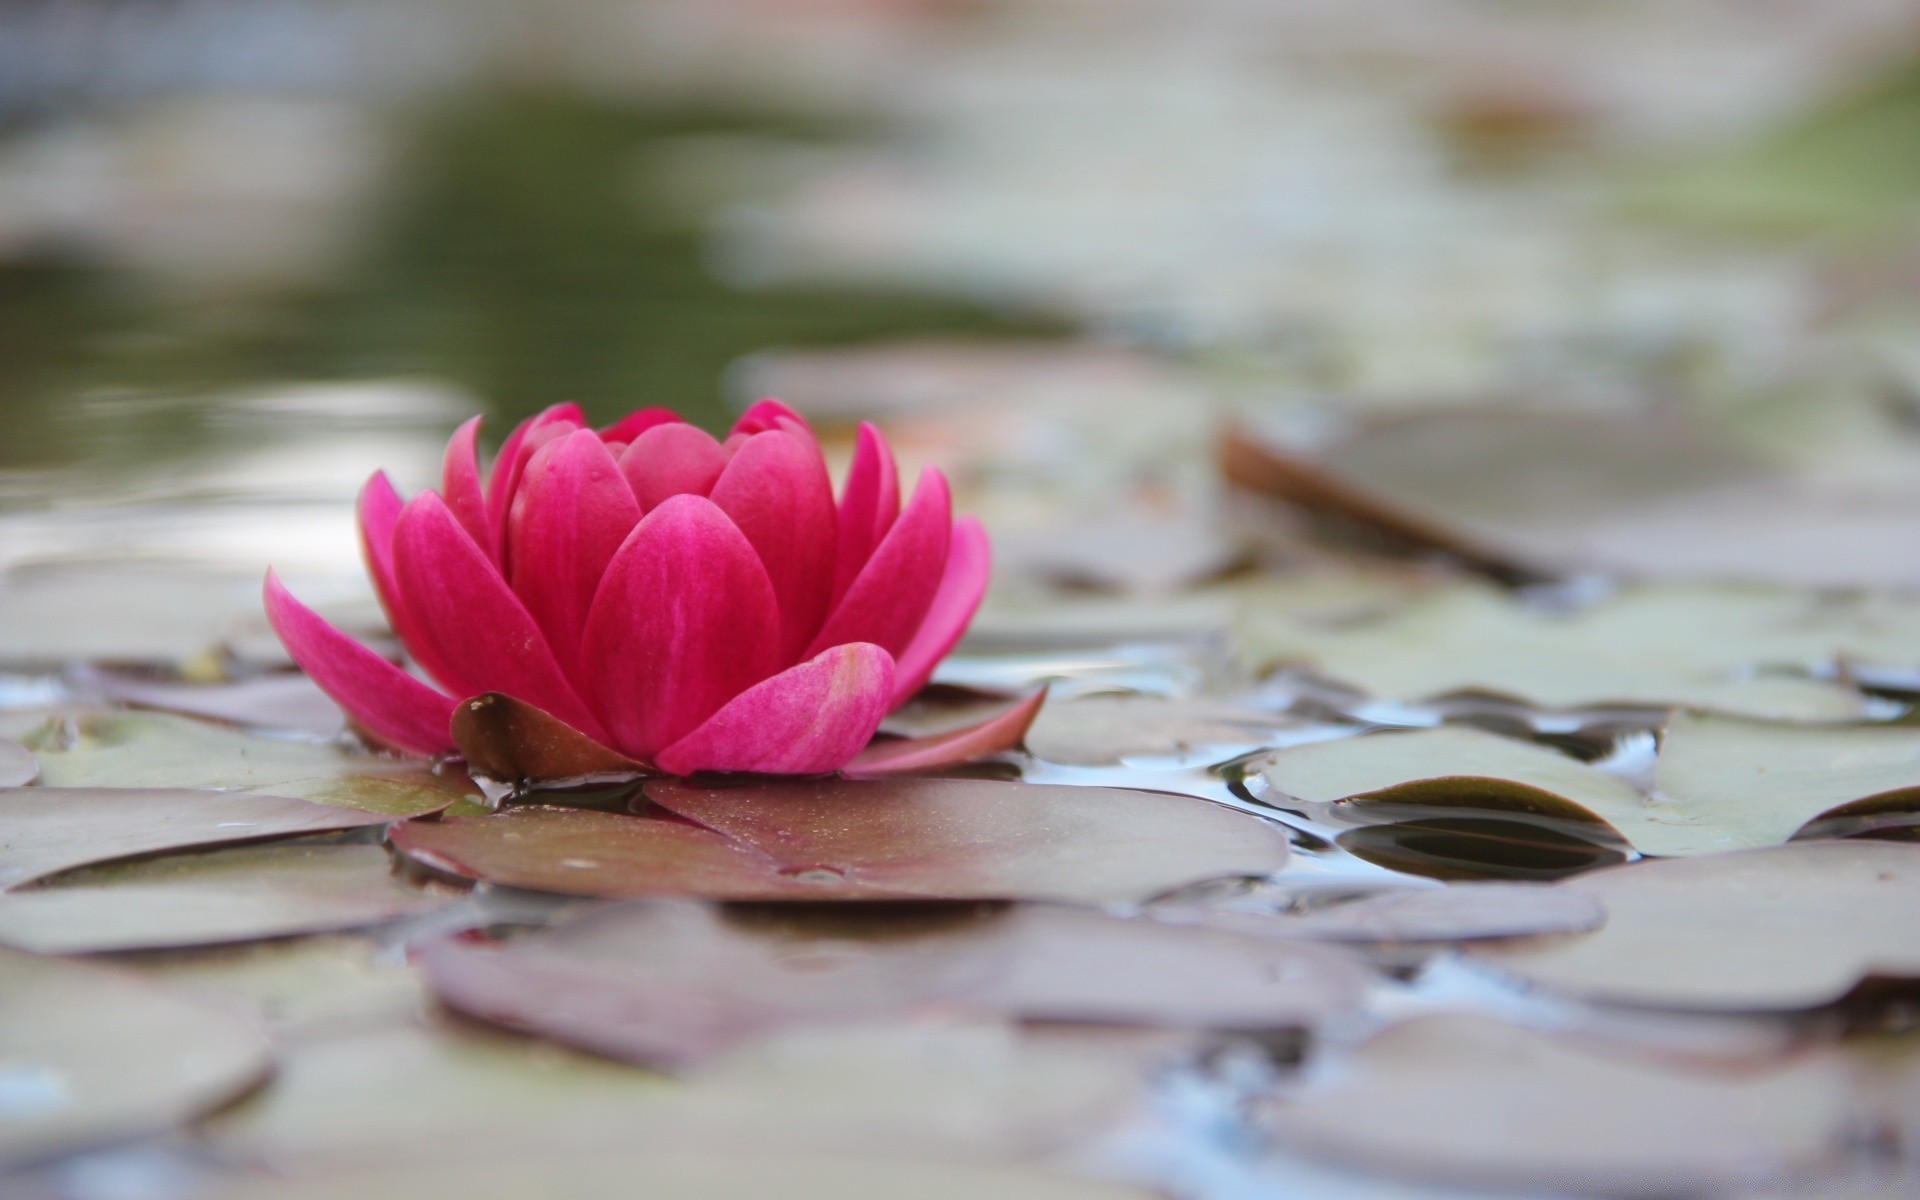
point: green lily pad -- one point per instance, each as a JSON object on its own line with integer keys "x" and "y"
{"x": 365, "y": 1095}
{"x": 160, "y": 750}
{"x": 1731, "y": 784}
{"x": 1720, "y": 783}
{"x": 950, "y": 839}
{"x": 91, "y": 1055}
{"x": 1652, "y": 646}
{"x": 1103, "y": 729}
{"x": 1456, "y": 913}
{"x": 46, "y": 830}
{"x": 18, "y": 766}
{"x": 275, "y": 700}
{"x": 1778, "y": 929}
{"x": 684, "y": 1176}
{"x": 1473, "y": 1102}
{"x": 669, "y": 985}
{"x": 237, "y": 895}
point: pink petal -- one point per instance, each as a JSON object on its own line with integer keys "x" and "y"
{"x": 990, "y": 736}
{"x": 571, "y": 512}
{"x": 777, "y": 491}
{"x": 969, "y": 566}
{"x": 381, "y": 699}
{"x": 672, "y": 460}
{"x": 638, "y": 422}
{"x": 515, "y": 452}
{"x": 868, "y": 506}
{"x": 473, "y": 633}
{"x": 807, "y": 720}
{"x": 460, "y": 483}
{"x": 684, "y": 621}
{"x": 890, "y": 597}
{"x": 770, "y": 414}
{"x": 379, "y": 508}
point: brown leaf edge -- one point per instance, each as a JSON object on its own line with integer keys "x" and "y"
{"x": 1004, "y": 731}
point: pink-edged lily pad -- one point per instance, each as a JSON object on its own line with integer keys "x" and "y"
{"x": 668, "y": 985}
{"x": 839, "y": 839}
{"x": 1003, "y": 731}
{"x": 45, "y": 830}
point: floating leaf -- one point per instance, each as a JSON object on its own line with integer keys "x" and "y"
{"x": 1727, "y": 784}
{"x": 388, "y": 1093}
{"x": 669, "y": 985}
{"x": 278, "y": 700}
{"x": 1783, "y": 928}
{"x": 728, "y": 1175}
{"x": 138, "y": 749}
{"x": 975, "y": 839}
{"x": 90, "y": 1055}
{"x": 18, "y": 766}
{"x": 1456, "y": 913}
{"x": 45, "y": 830}
{"x": 1478, "y": 1103}
{"x": 204, "y": 899}
{"x": 1721, "y": 783}
{"x": 844, "y": 839}
{"x": 514, "y": 743}
{"x": 1649, "y": 646}
{"x": 1102, "y": 729}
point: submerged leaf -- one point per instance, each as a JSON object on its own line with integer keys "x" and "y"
{"x": 1784, "y": 928}
{"x": 142, "y": 749}
{"x": 95, "y": 1055}
{"x": 45, "y": 830}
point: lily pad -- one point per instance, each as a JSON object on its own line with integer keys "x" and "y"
{"x": 160, "y": 750}
{"x": 1721, "y": 783}
{"x": 669, "y": 985}
{"x": 683, "y": 1176}
{"x": 407, "y": 1092}
{"x": 1727, "y": 784}
{"x": 46, "y": 830}
{"x": 950, "y": 839}
{"x": 277, "y": 700}
{"x": 206, "y": 899}
{"x": 1778, "y": 929}
{"x": 1103, "y": 729}
{"x": 18, "y": 766}
{"x": 976, "y": 839}
{"x": 93, "y": 1055}
{"x": 1456, "y": 913}
{"x": 1652, "y": 646}
{"x": 1475, "y": 1102}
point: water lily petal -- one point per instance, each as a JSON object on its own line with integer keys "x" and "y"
{"x": 969, "y": 566}
{"x": 638, "y": 422}
{"x": 670, "y": 460}
{"x": 382, "y": 699}
{"x": 460, "y": 482}
{"x": 515, "y": 452}
{"x": 770, "y": 414}
{"x": 869, "y": 504}
{"x": 777, "y": 491}
{"x": 685, "y": 620}
{"x": 378, "y": 510}
{"x": 468, "y": 623}
{"x": 890, "y": 597}
{"x": 571, "y": 512}
{"x": 807, "y": 720}
{"x": 990, "y": 736}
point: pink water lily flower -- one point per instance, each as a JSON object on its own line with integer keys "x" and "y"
{"x": 694, "y": 604}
